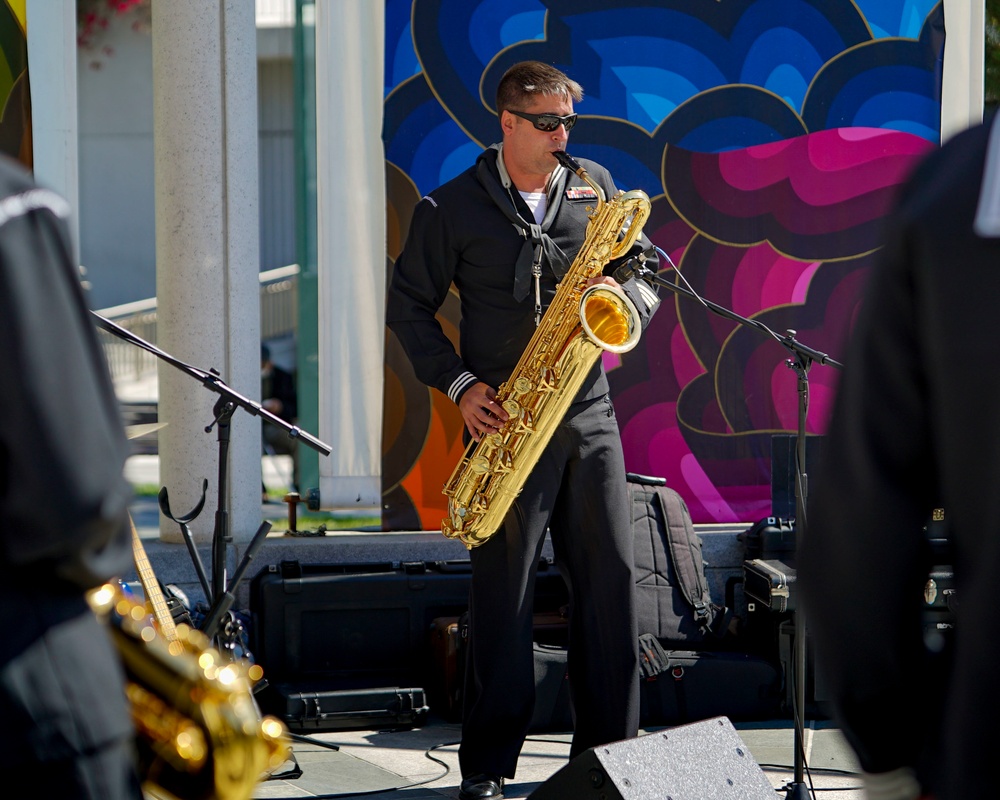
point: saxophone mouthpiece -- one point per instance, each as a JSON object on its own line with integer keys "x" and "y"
{"x": 568, "y": 161}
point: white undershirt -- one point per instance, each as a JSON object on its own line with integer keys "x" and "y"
{"x": 537, "y": 202}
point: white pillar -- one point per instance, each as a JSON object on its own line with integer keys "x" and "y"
{"x": 51, "y": 32}
{"x": 350, "y": 207}
{"x": 962, "y": 81}
{"x": 207, "y": 259}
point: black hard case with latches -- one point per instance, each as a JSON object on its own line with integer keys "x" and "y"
{"x": 362, "y": 625}
{"x": 316, "y": 706}
{"x": 770, "y": 582}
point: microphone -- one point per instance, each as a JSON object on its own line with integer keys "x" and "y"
{"x": 625, "y": 271}
{"x": 633, "y": 267}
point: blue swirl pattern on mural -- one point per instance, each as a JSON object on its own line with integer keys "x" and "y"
{"x": 706, "y": 76}
{"x": 770, "y": 135}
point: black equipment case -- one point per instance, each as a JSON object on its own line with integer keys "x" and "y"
{"x": 770, "y": 582}
{"x": 769, "y": 565}
{"x": 686, "y": 685}
{"x": 362, "y": 625}
{"x": 359, "y": 625}
{"x": 553, "y": 710}
{"x": 309, "y": 707}
{"x": 771, "y": 537}
{"x": 448, "y": 642}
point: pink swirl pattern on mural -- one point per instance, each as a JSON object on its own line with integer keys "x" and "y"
{"x": 783, "y": 234}
{"x": 817, "y": 196}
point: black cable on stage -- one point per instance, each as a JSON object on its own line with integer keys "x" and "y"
{"x": 427, "y": 754}
{"x": 344, "y": 795}
{"x": 447, "y": 771}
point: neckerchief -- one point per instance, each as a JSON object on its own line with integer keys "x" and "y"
{"x": 538, "y": 245}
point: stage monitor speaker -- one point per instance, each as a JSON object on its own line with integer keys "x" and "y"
{"x": 700, "y": 761}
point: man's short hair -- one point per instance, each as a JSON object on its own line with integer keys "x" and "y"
{"x": 528, "y": 79}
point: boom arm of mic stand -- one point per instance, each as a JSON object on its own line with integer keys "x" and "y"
{"x": 788, "y": 341}
{"x": 211, "y": 380}
{"x": 222, "y": 596}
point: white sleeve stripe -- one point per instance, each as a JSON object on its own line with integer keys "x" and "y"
{"x": 459, "y": 385}
{"x": 17, "y": 205}
{"x": 648, "y": 295}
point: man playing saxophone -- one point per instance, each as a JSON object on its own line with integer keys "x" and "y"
{"x": 505, "y": 232}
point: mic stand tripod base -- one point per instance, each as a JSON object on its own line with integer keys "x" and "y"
{"x": 224, "y": 602}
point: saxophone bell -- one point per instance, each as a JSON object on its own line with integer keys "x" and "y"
{"x": 609, "y": 318}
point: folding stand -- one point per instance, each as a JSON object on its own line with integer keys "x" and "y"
{"x": 802, "y": 360}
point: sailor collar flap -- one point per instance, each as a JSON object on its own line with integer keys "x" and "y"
{"x": 538, "y": 246}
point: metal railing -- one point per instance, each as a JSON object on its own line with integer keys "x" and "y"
{"x": 127, "y": 362}
{"x": 275, "y": 13}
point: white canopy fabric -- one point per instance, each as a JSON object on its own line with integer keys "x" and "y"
{"x": 351, "y": 248}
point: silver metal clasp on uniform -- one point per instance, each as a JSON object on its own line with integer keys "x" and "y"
{"x": 536, "y": 273}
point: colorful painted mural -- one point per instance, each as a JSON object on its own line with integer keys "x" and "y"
{"x": 15, "y": 96}
{"x": 771, "y": 136}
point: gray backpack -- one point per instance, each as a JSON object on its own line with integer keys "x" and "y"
{"x": 672, "y": 596}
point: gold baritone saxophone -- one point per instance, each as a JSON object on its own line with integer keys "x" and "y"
{"x": 580, "y": 323}
{"x": 199, "y": 733}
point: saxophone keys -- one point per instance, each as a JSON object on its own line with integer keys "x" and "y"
{"x": 526, "y": 423}
{"x": 602, "y": 252}
{"x": 453, "y": 526}
{"x": 548, "y": 379}
{"x": 504, "y": 462}
{"x": 512, "y": 407}
{"x": 480, "y": 465}
{"x": 521, "y": 386}
{"x": 480, "y": 503}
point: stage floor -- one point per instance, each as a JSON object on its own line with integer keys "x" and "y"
{"x": 397, "y": 764}
{"x": 422, "y": 763}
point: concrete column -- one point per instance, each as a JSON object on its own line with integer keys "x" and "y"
{"x": 51, "y": 32}
{"x": 962, "y": 81}
{"x": 350, "y": 210}
{"x": 207, "y": 259}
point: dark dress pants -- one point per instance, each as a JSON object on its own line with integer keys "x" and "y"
{"x": 578, "y": 491}
{"x": 66, "y": 731}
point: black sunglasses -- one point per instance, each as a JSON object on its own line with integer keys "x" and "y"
{"x": 547, "y": 122}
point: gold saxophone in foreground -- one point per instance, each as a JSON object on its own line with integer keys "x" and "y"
{"x": 580, "y": 323}
{"x": 200, "y": 735}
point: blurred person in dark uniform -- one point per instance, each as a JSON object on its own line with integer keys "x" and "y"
{"x": 65, "y": 729}
{"x": 916, "y": 427}
{"x": 280, "y": 397}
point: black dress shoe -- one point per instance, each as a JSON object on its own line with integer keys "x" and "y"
{"x": 481, "y": 787}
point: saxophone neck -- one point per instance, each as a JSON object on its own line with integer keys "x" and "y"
{"x": 574, "y": 166}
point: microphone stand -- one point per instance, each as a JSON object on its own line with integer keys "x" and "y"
{"x": 222, "y": 595}
{"x": 802, "y": 359}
